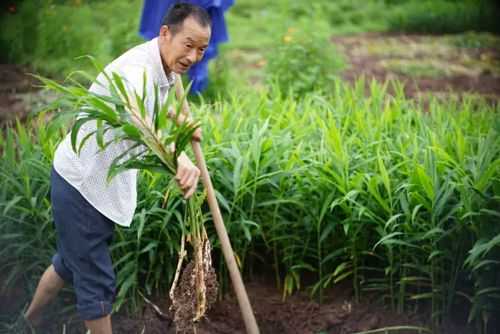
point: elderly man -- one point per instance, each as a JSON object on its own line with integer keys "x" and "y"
{"x": 85, "y": 205}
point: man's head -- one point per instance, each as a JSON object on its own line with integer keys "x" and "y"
{"x": 184, "y": 37}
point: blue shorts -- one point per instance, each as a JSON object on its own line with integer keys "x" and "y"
{"x": 83, "y": 258}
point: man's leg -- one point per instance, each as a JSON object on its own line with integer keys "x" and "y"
{"x": 83, "y": 257}
{"x": 49, "y": 285}
{"x": 99, "y": 326}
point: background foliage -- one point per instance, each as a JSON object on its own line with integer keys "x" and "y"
{"x": 316, "y": 178}
{"x": 340, "y": 186}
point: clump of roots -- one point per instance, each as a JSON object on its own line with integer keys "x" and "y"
{"x": 197, "y": 289}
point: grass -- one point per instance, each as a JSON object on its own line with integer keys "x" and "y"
{"x": 472, "y": 40}
{"x": 343, "y": 184}
{"x": 337, "y": 186}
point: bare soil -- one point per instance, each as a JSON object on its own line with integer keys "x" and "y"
{"x": 424, "y": 64}
{"x": 298, "y": 314}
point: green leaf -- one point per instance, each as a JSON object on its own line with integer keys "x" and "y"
{"x": 75, "y": 129}
{"x": 118, "y": 82}
{"x": 132, "y": 132}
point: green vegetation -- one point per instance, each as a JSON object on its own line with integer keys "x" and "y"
{"x": 50, "y": 35}
{"x": 446, "y": 17}
{"x": 341, "y": 186}
{"x": 60, "y": 31}
{"x": 472, "y": 40}
{"x": 316, "y": 178}
{"x": 303, "y": 64}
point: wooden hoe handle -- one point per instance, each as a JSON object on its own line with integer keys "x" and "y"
{"x": 227, "y": 250}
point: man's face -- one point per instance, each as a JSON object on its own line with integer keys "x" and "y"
{"x": 181, "y": 50}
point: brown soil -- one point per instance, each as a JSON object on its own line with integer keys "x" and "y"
{"x": 299, "y": 314}
{"x": 468, "y": 70}
{"x": 338, "y": 314}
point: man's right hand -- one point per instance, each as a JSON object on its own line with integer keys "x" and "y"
{"x": 187, "y": 175}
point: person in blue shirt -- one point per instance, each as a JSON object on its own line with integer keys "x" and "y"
{"x": 152, "y": 16}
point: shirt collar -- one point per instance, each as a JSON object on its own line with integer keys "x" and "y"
{"x": 164, "y": 80}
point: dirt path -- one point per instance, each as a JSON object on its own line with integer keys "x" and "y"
{"x": 439, "y": 65}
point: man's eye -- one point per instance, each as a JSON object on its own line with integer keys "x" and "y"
{"x": 189, "y": 46}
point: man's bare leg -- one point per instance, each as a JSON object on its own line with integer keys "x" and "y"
{"x": 48, "y": 287}
{"x": 99, "y": 326}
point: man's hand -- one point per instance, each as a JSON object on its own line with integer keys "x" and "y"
{"x": 180, "y": 119}
{"x": 187, "y": 175}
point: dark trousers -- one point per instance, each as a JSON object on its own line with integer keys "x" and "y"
{"x": 83, "y": 258}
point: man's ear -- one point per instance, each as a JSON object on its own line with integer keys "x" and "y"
{"x": 165, "y": 31}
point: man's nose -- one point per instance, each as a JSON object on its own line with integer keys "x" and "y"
{"x": 192, "y": 56}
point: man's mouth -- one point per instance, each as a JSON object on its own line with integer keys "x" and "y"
{"x": 184, "y": 66}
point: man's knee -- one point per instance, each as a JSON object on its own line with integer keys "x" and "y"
{"x": 52, "y": 281}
